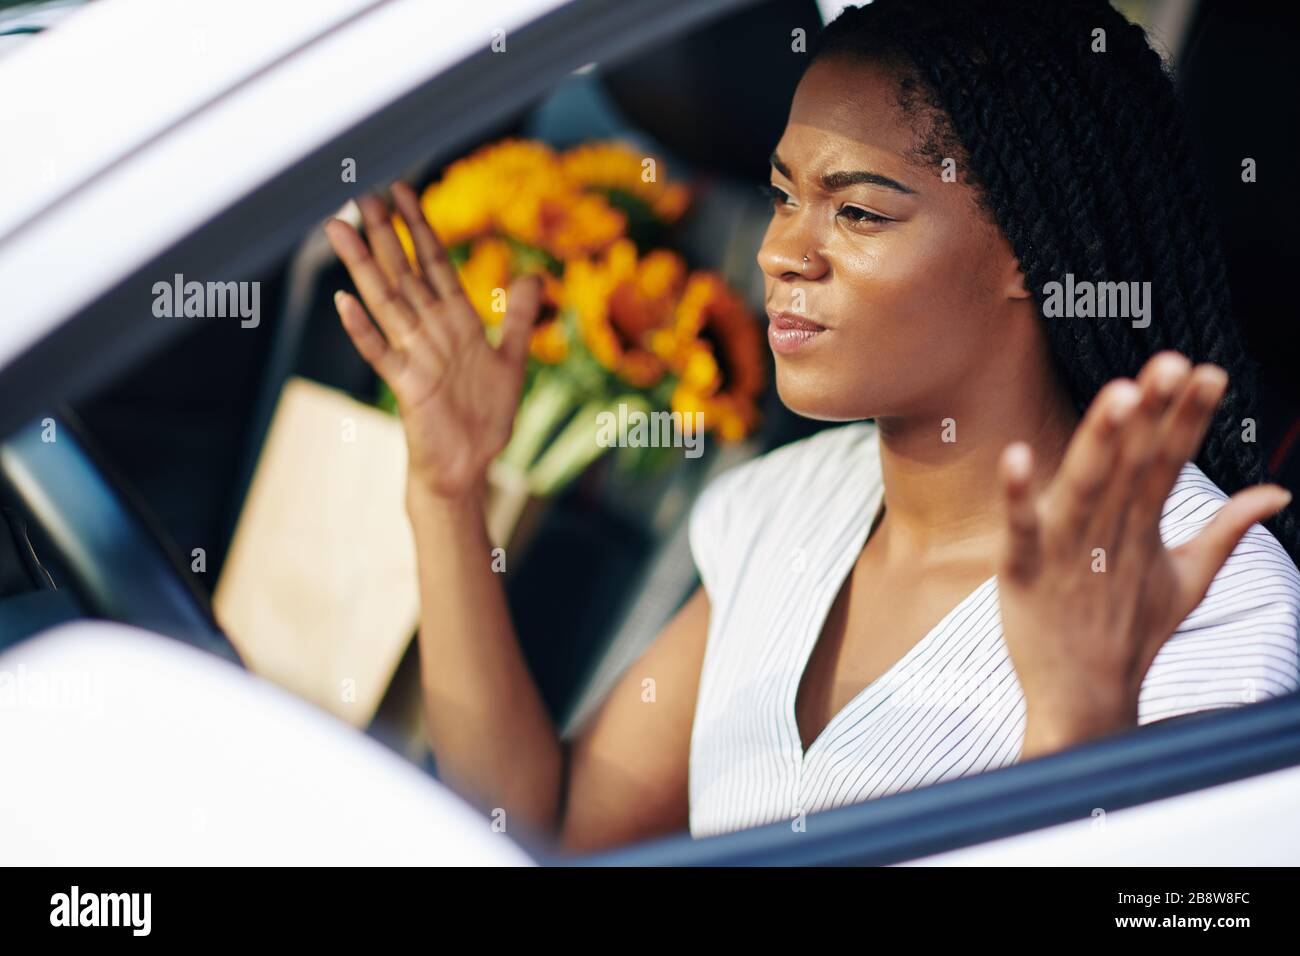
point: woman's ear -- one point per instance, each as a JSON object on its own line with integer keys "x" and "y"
{"x": 1015, "y": 281}
{"x": 1007, "y": 267}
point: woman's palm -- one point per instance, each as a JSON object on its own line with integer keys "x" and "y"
{"x": 456, "y": 393}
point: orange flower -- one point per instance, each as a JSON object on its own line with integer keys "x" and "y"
{"x": 485, "y": 276}
{"x": 550, "y": 339}
{"x": 517, "y": 188}
{"x": 615, "y": 165}
{"x": 563, "y": 222}
{"x": 715, "y": 347}
{"x": 474, "y": 191}
{"x": 620, "y": 302}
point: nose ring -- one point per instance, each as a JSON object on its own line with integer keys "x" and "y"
{"x": 805, "y": 262}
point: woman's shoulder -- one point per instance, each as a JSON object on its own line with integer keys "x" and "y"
{"x": 1258, "y": 570}
{"x": 1242, "y": 642}
{"x": 795, "y": 484}
{"x": 811, "y": 460}
{"x": 1190, "y": 505}
{"x": 800, "y": 471}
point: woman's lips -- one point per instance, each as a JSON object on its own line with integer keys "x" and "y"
{"x": 788, "y": 333}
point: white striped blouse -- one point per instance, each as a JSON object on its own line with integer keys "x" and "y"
{"x": 772, "y": 564}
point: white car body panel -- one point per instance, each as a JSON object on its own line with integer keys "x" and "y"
{"x": 70, "y": 199}
{"x": 125, "y": 748}
{"x": 1250, "y": 822}
{"x": 123, "y": 141}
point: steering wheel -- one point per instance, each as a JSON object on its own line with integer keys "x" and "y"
{"x": 118, "y": 559}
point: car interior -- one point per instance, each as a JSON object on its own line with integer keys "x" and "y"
{"x": 159, "y": 461}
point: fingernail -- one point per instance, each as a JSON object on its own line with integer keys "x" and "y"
{"x": 1126, "y": 398}
{"x": 338, "y": 297}
{"x": 1210, "y": 395}
{"x": 1017, "y": 459}
{"x": 1284, "y": 497}
{"x": 1216, "y": 377}
{"x": 1171, "y": 376}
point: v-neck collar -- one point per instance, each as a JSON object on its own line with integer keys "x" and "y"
{"x": 863, "y": 509}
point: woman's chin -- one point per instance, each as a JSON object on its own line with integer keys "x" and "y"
{"x": 813, "y": 397}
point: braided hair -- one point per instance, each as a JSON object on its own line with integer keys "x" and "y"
{"x": 1074, "y": 143}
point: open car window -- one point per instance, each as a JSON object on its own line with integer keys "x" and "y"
{"x": 194, "y": 421}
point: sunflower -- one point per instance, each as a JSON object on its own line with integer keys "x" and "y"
{"x": 617, "y": 167}
{"x": 517, "y": 188}
{"x": 619, "y": 302}
{"x": 715, "y": 348}
{"x": 617, "y": 322}
{"x": 550, "y": 339}
{"x": 485, "y": 271}
{"x": 563, "y": 222}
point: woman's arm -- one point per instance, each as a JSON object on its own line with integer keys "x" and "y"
{"x": 628, "y": 766}
{"x": 486, "y": 722}
{"x": 1087, "y": 588}
{"x": 625, "y": 776}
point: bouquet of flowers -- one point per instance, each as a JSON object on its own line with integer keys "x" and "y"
{"x": 624, "y": 322}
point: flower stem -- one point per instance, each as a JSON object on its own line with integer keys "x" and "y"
{"x": 550, "y": 399}
{"x": 578, "y": 445}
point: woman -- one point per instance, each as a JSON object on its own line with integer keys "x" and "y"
{"x": 1015, "y": 554}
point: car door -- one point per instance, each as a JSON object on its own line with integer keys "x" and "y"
{"x": 231, "y": 178}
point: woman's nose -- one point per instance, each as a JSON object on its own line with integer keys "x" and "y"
{"x": 781, "y": 256}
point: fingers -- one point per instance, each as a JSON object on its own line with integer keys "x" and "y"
{"x": 1161, "y": 379}
{"x": 1087, "y": 467}
{"x": 1204, "y": 555}
{"x": 433, "y": 259}
{"x": 425, "y": 303}
{"x": 1019, "y": 498}
{"x": 384, "y": 243}
{"x": 523, "y": 302}
{"x": 397, "y": 319}
{"x": 377, "y": 352}
{"x": 1179, "y": 439}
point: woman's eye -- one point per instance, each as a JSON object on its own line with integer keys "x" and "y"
{"x": 777, "y": 197}
{"x": 858, "y": 214}
{"x": 775, "y": 194}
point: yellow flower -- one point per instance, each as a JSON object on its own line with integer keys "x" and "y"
{"x": 620, "y": 302}
{"x": 549, "y": 343}
{"x": 715, "y": 348}
{"x": 639, "y": 317}
{"x": 485, "y": 272}
{"x": 615, "y": 165}
{"x": 564, "y": 223}
{"x": 518, "y": 188}
{"x": 469, "y": 199}
{"x": 550, "y": 339}
{"x": 525, "y": 190}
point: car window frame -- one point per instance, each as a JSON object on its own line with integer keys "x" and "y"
{"x": 1139, "y": 766}
{"x": 433, "y": 119}
{"x": 268, "y": 222}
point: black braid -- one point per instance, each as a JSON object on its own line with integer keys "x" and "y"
{"x": 1082, "y": 159}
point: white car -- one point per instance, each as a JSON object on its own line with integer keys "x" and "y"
{"x": 154, "y": 138}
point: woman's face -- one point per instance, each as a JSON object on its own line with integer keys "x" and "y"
{"x": 913, "y": 286}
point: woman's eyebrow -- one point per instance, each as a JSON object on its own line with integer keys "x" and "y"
{"x": 832, "y": 182}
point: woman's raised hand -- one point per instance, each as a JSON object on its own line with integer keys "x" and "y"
{"x": 1088, "y": 591}
{"x": 456, "y": 394}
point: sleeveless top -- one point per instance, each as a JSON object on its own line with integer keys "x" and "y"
{"x": 775, "y": 538}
